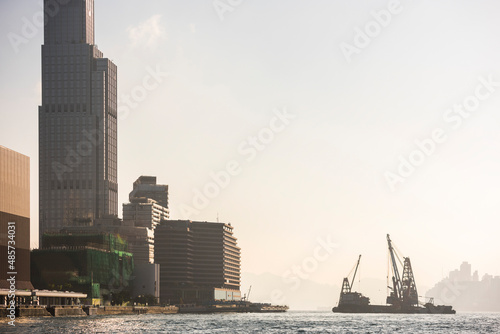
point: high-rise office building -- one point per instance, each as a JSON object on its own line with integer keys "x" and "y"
{"x": 148, "y": 206}
{"x": 199, "y": 262}
{"x": 14, "y": 220}
{"x": 148, "y": 203}
{"x": 77, "y": 121}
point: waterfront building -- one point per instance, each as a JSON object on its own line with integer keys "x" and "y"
{"x": 14, "y": 212}
{"x": 77, "y": 122}
{"x": 97, "y": 264}
{"x": 145, "y": 278}
{"x": 199, "y": 262}
{"x": 140, "y": 239}
{"x": 146, "y": 281}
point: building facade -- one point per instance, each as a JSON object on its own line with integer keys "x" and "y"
{"x": 199, "y": 262}
{"x": 145, "y": 212}
{"x": 148, "y": 206}
{"x": 146, "y": 187}
{"x": 14, "y": 218}
{"x": 77, "y": 121}
{"x": 140, "y": 239}
{"x": 146, "y": 281}
{"x": 97, "y": 264}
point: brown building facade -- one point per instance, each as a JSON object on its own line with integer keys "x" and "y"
{"x": 14, "y": 218}
{"x": 199, "y": 262}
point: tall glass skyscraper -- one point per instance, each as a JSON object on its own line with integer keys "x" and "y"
{"x": 77, "y": 121}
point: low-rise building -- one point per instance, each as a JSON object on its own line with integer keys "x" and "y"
{"x": 98, "y": 265}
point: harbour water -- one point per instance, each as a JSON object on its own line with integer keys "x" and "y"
{"x": 290, "y": 322}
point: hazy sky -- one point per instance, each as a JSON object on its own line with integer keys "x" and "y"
{"x": 356, "y": 85}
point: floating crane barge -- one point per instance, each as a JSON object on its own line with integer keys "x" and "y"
{"x": 403, "y": 297}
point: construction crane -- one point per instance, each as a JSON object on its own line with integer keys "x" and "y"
{"x": 347, "y": 297}
{"x": 404, "y": 289}
{"x": 247, "y": 295}
{"x": 346, "y": 286}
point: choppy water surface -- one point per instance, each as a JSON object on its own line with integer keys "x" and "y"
{"x": 290, "y": 322}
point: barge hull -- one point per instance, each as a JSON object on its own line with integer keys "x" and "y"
{"x": 429, "y": 309}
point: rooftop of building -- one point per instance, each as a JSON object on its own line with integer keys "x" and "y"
{"x": 146, "y": 180}
{"x": 183, "y": 222}
{"x": 44, "y": 293}
{"x": 10, "y": 150}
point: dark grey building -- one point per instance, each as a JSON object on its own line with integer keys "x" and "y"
{"x": 146, "y": 187}
{"x": 77, "y": 121}
{"x": 199, "y": 262}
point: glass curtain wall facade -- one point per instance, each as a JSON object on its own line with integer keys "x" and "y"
{"x": 77, "y": 121}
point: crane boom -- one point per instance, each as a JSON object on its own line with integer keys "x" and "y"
{"x": 396, "y": 280}
{"x": 355, "y": 271}
{"x": 404, "y": 292}
{"x": 347, "y": 297}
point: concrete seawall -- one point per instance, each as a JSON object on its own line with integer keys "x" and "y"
{"x": 26, "y": 311}
{"x": 82, "y": 311}
{"x": 162, "y": 309}
{"x": 66, "y": 311}
{"x": 115, "y": 310}
{"x": 32, "y": 311}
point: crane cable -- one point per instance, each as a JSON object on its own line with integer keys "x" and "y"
{"x": 397, "y": 253}
{"x": 388, "y": 269}
{"x": 354, "y": 267}
{"x": 359, "y": 279}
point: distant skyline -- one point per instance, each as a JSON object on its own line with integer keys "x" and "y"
{"x": 255, "y": 114}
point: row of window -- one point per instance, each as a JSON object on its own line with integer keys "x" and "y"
{"x": 62, "y": 50}
{"x": 73, "y": 107}
{"x": 72, "y": 184}
{"x": 77, "y": 59}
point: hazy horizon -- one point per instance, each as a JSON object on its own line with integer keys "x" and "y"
{"x": 314, "y": 128}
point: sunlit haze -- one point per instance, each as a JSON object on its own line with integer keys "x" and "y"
{"x": 314, "y": 127}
